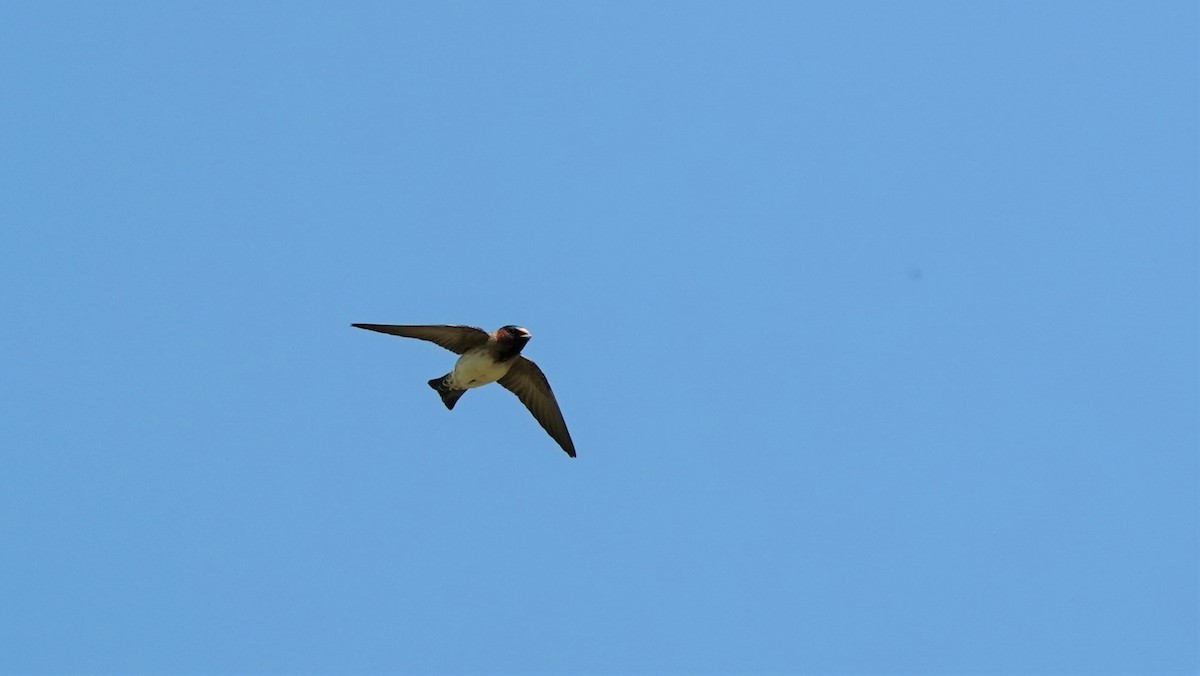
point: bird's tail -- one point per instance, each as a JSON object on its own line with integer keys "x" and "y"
{"x": 450, "y": 396}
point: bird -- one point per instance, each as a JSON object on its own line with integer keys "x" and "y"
{"x": 488, "y": 358}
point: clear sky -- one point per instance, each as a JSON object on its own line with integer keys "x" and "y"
{"x": 875, "y": 324}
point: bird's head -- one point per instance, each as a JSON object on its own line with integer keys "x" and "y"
{"x": 515, "y": 334}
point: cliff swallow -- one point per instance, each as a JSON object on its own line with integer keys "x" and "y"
{"x": 489, "y": 358}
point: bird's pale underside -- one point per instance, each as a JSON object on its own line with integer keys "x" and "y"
{"x": 487, "y": 358}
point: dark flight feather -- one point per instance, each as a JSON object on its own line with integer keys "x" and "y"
{"x": 528, "y": 382}
{"x": 458, "y": 339}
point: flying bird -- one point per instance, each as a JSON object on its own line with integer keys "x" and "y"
{"x": 489, "y": 358}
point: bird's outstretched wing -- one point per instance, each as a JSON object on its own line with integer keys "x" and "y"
{"x": 528, "y": 382}
{"x": 457, "y": 339}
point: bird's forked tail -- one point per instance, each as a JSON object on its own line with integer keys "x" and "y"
{"x": 449, "y": 395}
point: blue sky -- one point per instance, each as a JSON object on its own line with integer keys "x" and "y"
{"x": 875, "y": 325}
